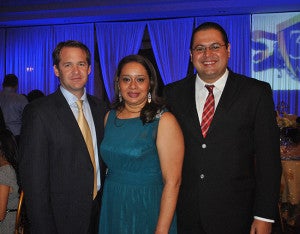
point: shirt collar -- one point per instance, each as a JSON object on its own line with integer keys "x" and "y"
{"x": 71, "y": 98}
{"x": 219, "y": 84}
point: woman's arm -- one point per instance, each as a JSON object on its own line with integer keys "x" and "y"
{"x": 4, "y": 192}
{"x": 170, "y": 145}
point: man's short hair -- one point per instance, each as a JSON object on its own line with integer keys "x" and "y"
{"x": 10, "y": 80}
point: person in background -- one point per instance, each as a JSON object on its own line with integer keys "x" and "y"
{"x": 12, "y": 104}
{"x": 9, "y": 196}
{"x": 62, "y": 177}
{"x": 232, "y": 168}
{"x": 143, "y": 149}
{"x": 34, "y": 94}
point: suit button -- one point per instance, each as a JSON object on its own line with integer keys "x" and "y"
{"x": 203, "y": 146}
{"x": 202, "y": 176}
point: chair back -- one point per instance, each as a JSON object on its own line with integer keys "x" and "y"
{"x": 19, "y": 226}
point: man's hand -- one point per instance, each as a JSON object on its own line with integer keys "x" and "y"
{"x": 260, "y": 227}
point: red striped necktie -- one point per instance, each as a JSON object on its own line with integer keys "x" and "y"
{"x": 208, "y": 110}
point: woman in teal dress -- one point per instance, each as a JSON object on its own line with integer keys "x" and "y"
{"x": 143, "y": 149}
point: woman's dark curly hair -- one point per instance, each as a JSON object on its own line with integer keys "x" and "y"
{"x": 8, "y": 147}
{"x": 150, "y": 110}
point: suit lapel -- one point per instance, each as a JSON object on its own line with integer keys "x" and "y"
{"x": 227, "y": 98}
{"x": 66, "y": 116}
{"x": 190, "y": 110}
{"x": 96, "y": 113}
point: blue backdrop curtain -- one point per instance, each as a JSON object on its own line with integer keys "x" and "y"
{"x": 80, "y": 32}
{"x": 115, "y": 41}
{"x": 272, "y": 56}
{"x": 276, "y": 56}
{"x": 29, "y": 54}
{"x": 2, "y": 54}
{"x": 26, "y": 50}
{"x": 170, "y": 40}
{"x": 238, "y": 28}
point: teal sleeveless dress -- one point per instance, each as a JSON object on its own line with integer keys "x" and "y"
{"x": 133, "y": 185}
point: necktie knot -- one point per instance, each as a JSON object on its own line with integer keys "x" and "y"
{"x": 79, "y": 104}
{"x": 210, "y": 88}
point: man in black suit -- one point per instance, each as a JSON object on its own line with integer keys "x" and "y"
{"x": 231, "y": 176}
{"x": 56, "y": 171}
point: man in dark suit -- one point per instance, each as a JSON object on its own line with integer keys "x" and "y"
{"x": 57, "y": 174}
{"x": 231, "y": 175}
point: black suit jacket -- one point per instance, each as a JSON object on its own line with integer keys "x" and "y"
{"x": 55, "y": 167}
{"x": 233, "y": 173}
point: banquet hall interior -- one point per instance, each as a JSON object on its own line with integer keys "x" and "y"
{"x": 264, "y": 37}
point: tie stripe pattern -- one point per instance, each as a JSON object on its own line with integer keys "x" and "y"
{"x": 208, "y": 110}
{"x": 86, "y": 133}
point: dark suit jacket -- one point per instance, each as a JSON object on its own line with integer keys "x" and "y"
{"x": 55, "y": 167}
{"x": 234, "y": 173}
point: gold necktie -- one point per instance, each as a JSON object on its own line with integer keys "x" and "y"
{"x": 84, "y": 127}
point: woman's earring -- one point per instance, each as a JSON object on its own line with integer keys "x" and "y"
{"x": 149, "y": 97}
{"x": 120, "y": 97}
